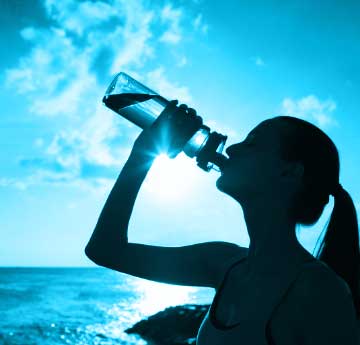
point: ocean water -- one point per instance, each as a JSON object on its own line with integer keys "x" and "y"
{"x": 82, "y": 305}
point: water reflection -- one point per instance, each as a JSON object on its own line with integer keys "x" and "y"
{"x": 153, "y": 296}
{"x": 137, "y": 299}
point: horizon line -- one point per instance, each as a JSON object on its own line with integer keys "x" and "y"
{"x": 16, "y": 266}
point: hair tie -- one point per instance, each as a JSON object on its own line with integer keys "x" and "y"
{"x": 337, "y": 190}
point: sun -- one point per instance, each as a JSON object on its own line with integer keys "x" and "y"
{"x": 172, "y": 179}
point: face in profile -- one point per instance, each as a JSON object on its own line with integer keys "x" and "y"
{"x": 254, "y": 165}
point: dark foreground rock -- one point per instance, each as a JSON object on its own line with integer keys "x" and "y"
{"x": 173, "y": 326}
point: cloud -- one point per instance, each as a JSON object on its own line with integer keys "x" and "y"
{"x": 135, "y": 35}
{"x": 169, "y": 90}
{"x": 311, "y": 108}
{"x": 14, "y": 182}
{"x": 259, "y": 61}
{"x": 31, "y": 163}
{"x": 89, "y": 15}
{"x": 93, "y": 150}
{"x": 67, "y": 71}
{"x": 214, "y": 125}
{"x": 199, "y": 25}
{"x": 95, "y": 186}
{"x": 172, "y": 16}
{"x": 182, "y": 61}
{"x": 39, "y": 142}
{"x": 28, "y": 34}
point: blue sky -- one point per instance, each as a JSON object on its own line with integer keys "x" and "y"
{"x": 236, "y": 63}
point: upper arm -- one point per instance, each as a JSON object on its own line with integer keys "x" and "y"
{"x": 198, "y": 264}
{"x": 325, "y": 310}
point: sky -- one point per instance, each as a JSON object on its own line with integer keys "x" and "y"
{"x": 236, "y": 62}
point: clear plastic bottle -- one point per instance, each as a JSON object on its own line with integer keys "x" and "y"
{"x": 141, "y": 105}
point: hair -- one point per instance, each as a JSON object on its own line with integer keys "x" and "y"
{"x": 339, "y": 249}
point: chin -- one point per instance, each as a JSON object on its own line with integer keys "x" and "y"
{"x": 218, "y": 182}
{"x": 224, "y": 187}
{"x": 220, "y": 185}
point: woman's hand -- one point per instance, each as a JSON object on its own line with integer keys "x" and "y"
{"x": 169, "y": 132}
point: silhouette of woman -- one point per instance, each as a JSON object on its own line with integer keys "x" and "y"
{"x": 275, "y": 291}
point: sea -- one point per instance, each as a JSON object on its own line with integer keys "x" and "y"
{"x": 83, "y": 306}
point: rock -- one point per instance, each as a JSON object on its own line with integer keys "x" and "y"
{"x": 173, "y": 326}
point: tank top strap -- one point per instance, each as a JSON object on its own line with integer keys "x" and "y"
{"x": 291, "y": 283}
{"x": 228, "y": 266}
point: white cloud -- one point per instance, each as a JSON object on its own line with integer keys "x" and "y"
{"x": 89, "y": 14}
{"x": 182, "y": 61}
{"x": 39, "y": 142}
{"x": 135, "y": 36}
{"x": 199, "y": 25}
{"x": 169, "y": 90}
{"x": 214, "y": 125}
{"x": 22, "y": 77}
{"x": 259, "y": 61}
{"x": 51, "y": 62}
{"x": 197, "y": 21}
{"x": 60, "y": 78}
{"x": 13, "y": 182}
{"x": 172, "y": 16}
{"x": 28, "y": 33}
{"x": 170, "y": 36}
{"x": 95, "y": 186}
{"x": 311, "y": 108}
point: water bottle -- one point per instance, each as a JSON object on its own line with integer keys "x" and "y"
{"x": 141, "y": 105}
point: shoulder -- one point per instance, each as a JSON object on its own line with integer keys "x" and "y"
{"x": 317, "y": 279}
{"x": 325, "y": 312}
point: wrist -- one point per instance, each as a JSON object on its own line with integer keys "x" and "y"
{"x": 140, "y": 161}
{"x": 141, "y": 156}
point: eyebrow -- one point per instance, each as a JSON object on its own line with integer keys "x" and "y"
{"x": 259, "y": 130}
{"x": 257, "y": 133}
{"x": 254, "y": 132}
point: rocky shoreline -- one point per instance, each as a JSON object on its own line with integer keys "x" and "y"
{"x": 177, "y": 325}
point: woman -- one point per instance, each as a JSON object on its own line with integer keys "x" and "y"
{"x": 274, "y": 292}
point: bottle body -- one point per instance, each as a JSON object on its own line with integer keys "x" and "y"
{"x": 141, "y": 105}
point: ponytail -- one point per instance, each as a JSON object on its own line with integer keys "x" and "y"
{"x": 339, "y": 248}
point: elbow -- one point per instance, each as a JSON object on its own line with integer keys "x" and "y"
{"x": 104, "y": 254}
{"x": 88, "y": 253}
{"x": 94, "y": 255}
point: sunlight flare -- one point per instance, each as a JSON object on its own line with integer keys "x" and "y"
{"x": 158, "y": 296}
{"x": 173, "y": 179}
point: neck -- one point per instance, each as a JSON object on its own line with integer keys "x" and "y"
{"x": 273, "y": 243}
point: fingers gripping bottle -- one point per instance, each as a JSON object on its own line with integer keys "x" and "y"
{"x": 140, "y": 105}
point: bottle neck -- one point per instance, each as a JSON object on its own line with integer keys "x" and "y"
{"x": 211, "y": 152}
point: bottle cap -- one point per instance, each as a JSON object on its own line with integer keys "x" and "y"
{"x": 207, "y": 153}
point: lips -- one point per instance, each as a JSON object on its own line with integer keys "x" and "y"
{"x": 220, "y": 160}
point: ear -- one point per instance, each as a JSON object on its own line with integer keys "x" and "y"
{"x": 293, "y": 169}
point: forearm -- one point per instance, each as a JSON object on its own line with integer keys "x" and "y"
{"x": 112, "y": 226}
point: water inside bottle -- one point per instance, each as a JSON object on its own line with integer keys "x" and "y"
{"x": 140, "y": 108}
{"x": 119, "y": 101}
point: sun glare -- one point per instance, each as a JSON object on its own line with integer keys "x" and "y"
{"x": 173, "y": 179}
{"x": 156, "y": 296}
